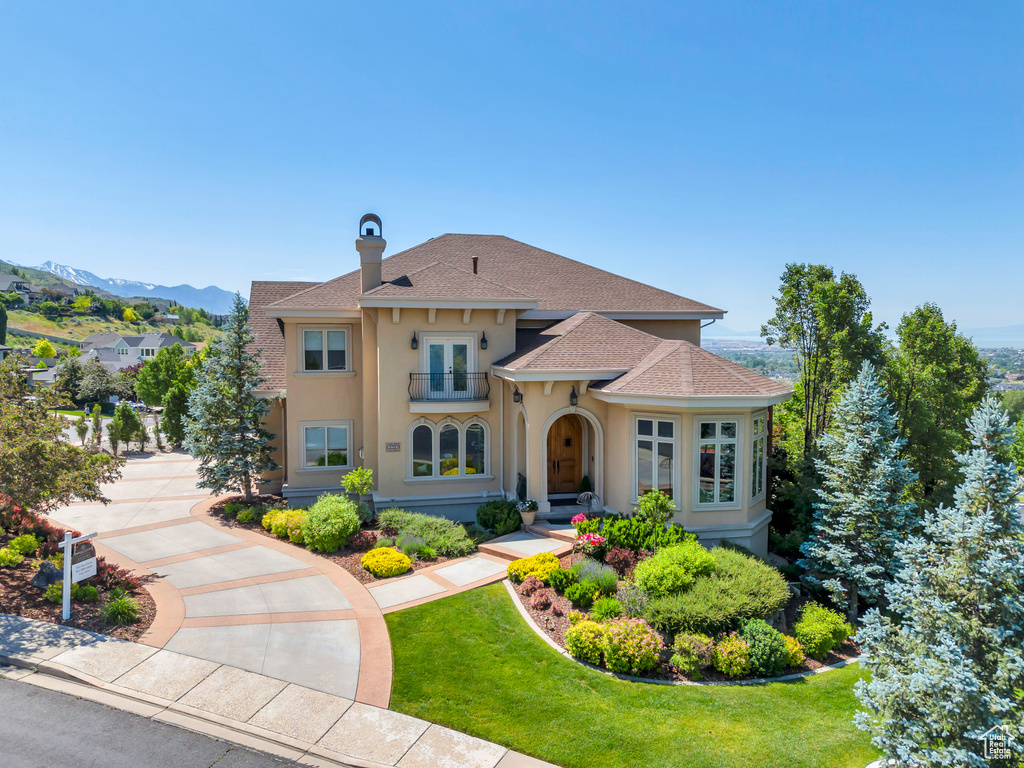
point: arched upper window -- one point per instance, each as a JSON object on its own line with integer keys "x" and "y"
{"x": 448, "y": 449}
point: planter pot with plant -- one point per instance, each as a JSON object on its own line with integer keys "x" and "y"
{"x": 527, "y": 510}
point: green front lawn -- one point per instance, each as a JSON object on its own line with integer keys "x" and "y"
{"x": 470, "y": 662}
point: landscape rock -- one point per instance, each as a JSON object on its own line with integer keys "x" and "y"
{"x": 47, "y": 574}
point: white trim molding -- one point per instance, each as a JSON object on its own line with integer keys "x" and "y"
{"x": 436, "y": 427}
{"x": 739, "y": 419}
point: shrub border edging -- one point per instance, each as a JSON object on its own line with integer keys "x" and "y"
{"x": 633, "y": 679}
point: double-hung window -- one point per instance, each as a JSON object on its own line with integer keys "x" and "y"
{"x": 655, "y": 455}
{"x": 717, "y": 441}
{"x": 758, "y": 455}
{"x": 325, "y": 445}
{"x": 324, "y": 349}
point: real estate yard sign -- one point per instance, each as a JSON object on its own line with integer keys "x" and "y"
{"x": 79, "y": 564}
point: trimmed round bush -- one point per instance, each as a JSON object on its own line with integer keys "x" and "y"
{"x": 606, "y": 608}
{"x": 740, "y": 588}
{"x": 270, "y": 517}
{"x": 621, "y": 559}
{"x": 580, "y": 594}
{"x": 585, "y": 640}
{"x": 383, "y": 563}
{"x": 9, "y": 558}
{"x": 540, "y": 565}
{"x": 631, "y": 646}
{"x": 561, "y": 579}
{"x": 330, "y": 523}
{"x": 26, "y": 544}
{"x": 693, "y": 653}
{"x": 732, "y": 656}
{"x": 794, "y": 651}
{"x": 819, "y": 630}
{"x": 768, "y": 654}
{"x": 674, "y": 569}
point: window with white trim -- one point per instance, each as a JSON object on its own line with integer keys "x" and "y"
{"x": 326, "y": 445}
{"x": 655, "y": 455}
{"x": 758, "y": 455}
{"x": 324, "y": 349}
{"x": 448, "y": 449}
{"x": 717, "y": 441}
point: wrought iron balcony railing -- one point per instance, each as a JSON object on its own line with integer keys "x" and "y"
{"x": 453, "y": 386}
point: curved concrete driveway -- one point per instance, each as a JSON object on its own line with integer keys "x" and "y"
{"x": 234, "y": 596}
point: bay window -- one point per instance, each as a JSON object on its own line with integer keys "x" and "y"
{"x": 717, "y": 441}
{"x": 655, "y": 451}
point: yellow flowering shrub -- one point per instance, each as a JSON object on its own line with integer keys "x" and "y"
{"x": 540, "y": 565}
{"x": 384, "y": 561}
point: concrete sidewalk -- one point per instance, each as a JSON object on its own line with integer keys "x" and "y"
{"x": 297, "y": 723}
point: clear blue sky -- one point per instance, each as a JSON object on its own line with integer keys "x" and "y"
{"x": 698, "y": 147}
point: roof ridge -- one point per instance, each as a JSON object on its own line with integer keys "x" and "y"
{"x": 449, "y": 265}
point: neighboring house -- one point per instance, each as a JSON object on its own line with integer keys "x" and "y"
{"x": 474, "y": 366}
{"x": 15, "y": 284}
{"x": 143, "y": 346}
{"x": 5, "y": 351}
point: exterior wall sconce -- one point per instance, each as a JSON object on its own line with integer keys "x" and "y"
{"x": 415, "y": 343}
{"x": 483, "y": 341}
{"x": 573, "y": 397}
{"x": 517, "y": 396}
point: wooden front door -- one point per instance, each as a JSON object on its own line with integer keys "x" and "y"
{"x": 565, "y": 455}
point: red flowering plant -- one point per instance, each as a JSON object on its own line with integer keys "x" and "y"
{"x": 590, "y": 544}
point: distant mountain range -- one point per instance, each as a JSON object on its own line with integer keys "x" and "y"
{"x": 211, "y": 298}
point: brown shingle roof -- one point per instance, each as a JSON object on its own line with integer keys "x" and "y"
{"x": 557, "y": 282}
{"x": 652, "y": 366}
{"x": 269, "y": 339}
{"x": 440, "y": 280}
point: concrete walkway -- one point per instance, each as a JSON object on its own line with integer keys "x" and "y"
{"x": 292, "y": 721}
{"x": 234, "y": 596}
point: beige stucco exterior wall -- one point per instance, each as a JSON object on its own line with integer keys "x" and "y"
{"x": 270, "y": 482}
{"x": 676, "y": 330}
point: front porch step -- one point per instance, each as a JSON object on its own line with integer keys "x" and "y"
{"x": 522, "y": 544}
{"x": 564, "y": 532}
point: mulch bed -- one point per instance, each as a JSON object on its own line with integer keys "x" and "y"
{"x": 347, "y": 557}
{"x": 554, "y": 621}
{"x": 19, "y": 598}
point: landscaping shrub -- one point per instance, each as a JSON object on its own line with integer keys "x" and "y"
{"x": 560, "y": 579}
{"x": 794, "y": 651}
{"x": 674, "y": 569}
{"x": 655, "y": 508}
{"x": 383, "y": 563}
{"x": 477, "y": 534}
{"x": 410, "y": 546}
{"x": 248, "y": 515}
{"x": 54, "y": 593}
{"x": 631, "y": 646}
{"x": 82, "y": 592}
{"x": 632, "y": 599}
{"x": 120, "y": 611}
{"x": 740, "y": 588}
{"x": 444, "y": 536}
{"x": 540, "y": 565}
{"x": 636, "y": 534}
{"x": 599, "y": 577}
{"x": 693, "y": 654}
{"x": 330, "y": 523}
{"x": 380, "y": 543}
{"x": 427, "y": 553}
{"x": 499, "y": 516}
{"x": 9, "y": 558}
{"x": 621, "y": 559}
{"x": 606, "y": 608}
{"x": 576, "y": 617}
{"x": 581, "y": 594}
{"x": 268, "y": 519}
{"x": 233, "y": 507}
{"x": 26, "y": 544}
{"x": 731, "y": 656}
{"x": 819, "y": 630}
{"x": 530, "y": 585}
{"x": 111, "y": 577}
{"x": 296, "y": 526}
{"x": 768, "y": 654}
{"x": 557, "y": 609}
{"x": 585, "y": 640}
{"x": 541, "y": 601}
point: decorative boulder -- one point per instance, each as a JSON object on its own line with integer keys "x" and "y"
{"x": 47, "y": 574}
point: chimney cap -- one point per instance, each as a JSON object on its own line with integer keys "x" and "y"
{"x": 368, "y": 231}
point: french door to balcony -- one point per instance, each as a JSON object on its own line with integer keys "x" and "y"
{"x": 448, "y": 356}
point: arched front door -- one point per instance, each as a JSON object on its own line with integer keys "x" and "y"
{"x": 565, "y": 455}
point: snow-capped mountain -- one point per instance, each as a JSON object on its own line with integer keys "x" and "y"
{"x": 211, "y": 298}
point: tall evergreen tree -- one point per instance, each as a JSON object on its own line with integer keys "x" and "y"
{"x": 224, "y": 428}
{"x": 863, "y": 513}
{"x": 3, "y": 324}
{"x": 947, "y": 662}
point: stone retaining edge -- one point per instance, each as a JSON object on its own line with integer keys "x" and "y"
{"x": 633, "y": 679}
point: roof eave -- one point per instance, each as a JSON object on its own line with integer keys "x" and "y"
{"x": 442, "y": 303}
{"x": 284, "y": 312}
{"x": 556, "y": 374}
{"x": 622, "y": 314}
{"x": 691, "y": 401}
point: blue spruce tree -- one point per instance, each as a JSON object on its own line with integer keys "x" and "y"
{"x": 224, "y": 428}
{"x": 946, "y": 661}
{"x": 863, "y": 512}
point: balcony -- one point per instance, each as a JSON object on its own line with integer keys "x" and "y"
{"x": 458, "y": 392}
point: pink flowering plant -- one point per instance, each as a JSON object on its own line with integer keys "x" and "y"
{"x": 580, "y": 518}
{"x": 631, "y": 646}
{"x": 590, "y": 543}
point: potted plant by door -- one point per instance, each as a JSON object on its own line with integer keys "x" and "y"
{"x": 527, "y": 510}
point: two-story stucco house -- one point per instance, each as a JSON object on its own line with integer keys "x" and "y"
{"x": 476, "y": 366}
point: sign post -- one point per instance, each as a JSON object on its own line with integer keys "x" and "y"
{"x": 79, "y": 564}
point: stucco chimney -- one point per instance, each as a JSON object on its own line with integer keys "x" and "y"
{"x": 370, "y": 245}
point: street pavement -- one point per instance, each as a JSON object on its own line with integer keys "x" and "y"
{"x": 46, "y": 729}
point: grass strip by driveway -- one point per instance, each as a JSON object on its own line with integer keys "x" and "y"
{"x": 470, "y": 662}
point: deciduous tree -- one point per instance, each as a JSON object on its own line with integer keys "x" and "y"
{"x": 225, "y": 422}
{"x": 44, "y": 348}
{"x": 947, "y": 660}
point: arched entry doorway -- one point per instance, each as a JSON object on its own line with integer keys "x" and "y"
{"x": 565, "y": 455}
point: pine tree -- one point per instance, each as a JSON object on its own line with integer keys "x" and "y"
{"x": 863, "y": 512}
{"x": 3, "y": 324}
{"x": 224, "y": 427}
{"x": 947, "y": 661}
